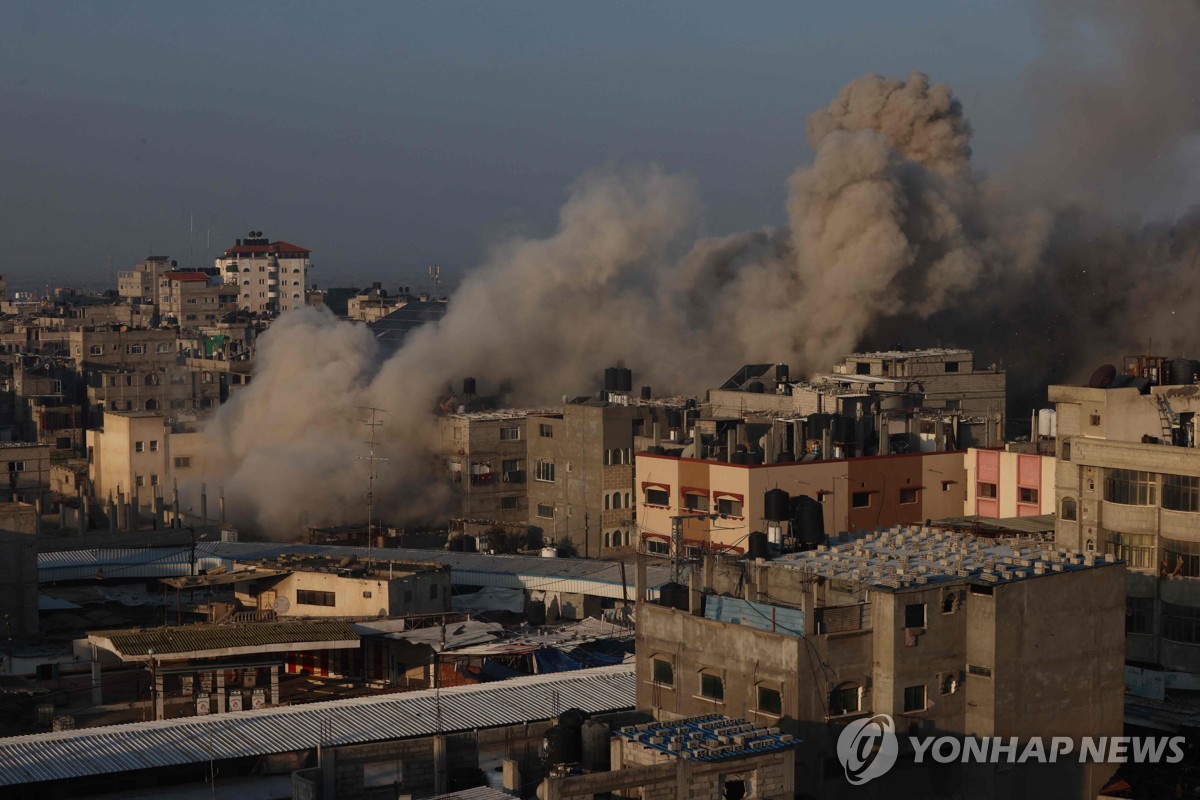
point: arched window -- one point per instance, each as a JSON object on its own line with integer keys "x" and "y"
{"x": 617, "y": 500}
{"x": 950, "y": 603}
{"x": 607, "y": 502}
{"x": 1070, "y": 509}
{"x": 628, "y": 538}
{"x": 627, "y": 503}
{"x": 1091, "y": 546}
{"x": 607, "y": 540}
{"x": 152, "y": 405}
{"x": 152, "y": 379}
{"x": 1066, "y": 450}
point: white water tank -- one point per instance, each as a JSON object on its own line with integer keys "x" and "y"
{"x": 549, "y": 552}
{"x": 1047, "y": 422}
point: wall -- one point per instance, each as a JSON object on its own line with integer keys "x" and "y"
{"x": 430, "y": 593}
{"x": 18, "y": 584}
{"x": 1009, "y": 473}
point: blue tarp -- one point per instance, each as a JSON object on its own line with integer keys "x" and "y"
{"x": 766, "y": 617}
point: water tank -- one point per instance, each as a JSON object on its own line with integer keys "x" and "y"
{"x": 1141, "y": 384}
{"x": 781, "y": 373}
{"x": 674, "y": 595}
{"x": 674, "y": 418}
{"x": 549, "y": 552}
{"x": 808, "y": 523}
{"x": 755, "y": 457}
{"x": 656, "y": 450}
{"x": 610, "y": 379}
{"x": 755, "y": 387}
{"x": 646, "y": 393}
{"x": 740, "y": 457}
{"x": 776, "y": 505}
{"x": 624, "y": 380}
{"x": 1184, "y": 371}
{"x": 786, "y": 457}
{"x": 596, "y": 737}
{"x": 469, "y": 386}
{"x": 756, "y": 545}
{"x": 1047, "y": 422}
{"x": 561, "y": 745}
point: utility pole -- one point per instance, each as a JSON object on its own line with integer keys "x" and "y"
{"x": 372, "y": 423}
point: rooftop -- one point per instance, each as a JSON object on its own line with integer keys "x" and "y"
{"x": 906, "y": 557}
{"x": 931, "y": 352}
{"x": 210, "y": 641}
{"x": 280, "y": 247}
{"x": 712, "y": 737}
{"x": 504, "y": 414}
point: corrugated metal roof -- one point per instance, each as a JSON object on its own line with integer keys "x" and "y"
{"x": 578, "y": 575}
{"x": 190, "y": 740}
{"x": 207, "y": 638}
{"x": 478, "y": 793}
{"x": 764, "y": 616}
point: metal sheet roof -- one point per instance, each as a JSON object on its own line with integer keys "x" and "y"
{"x": 578, "y": 575}
{"x": 196, "y": 640}
{"x": 189, "y": 740}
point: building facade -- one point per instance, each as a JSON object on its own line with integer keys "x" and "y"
{"x": 1003, "y": 483}
{"x": 271, "y": 277}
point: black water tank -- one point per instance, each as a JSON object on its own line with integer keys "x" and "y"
{"x": 596, "y": 737}
{"x": 656, "y": 450}
{"x": 469, "y": 386}
{"x": 674, "y": 595}
{"x": 573, "y": 718}
{"x": 757, "y": 545}
{"x": 808, "y": 522}
{"x": 740, "y": 457}
{"x": 755, "y": 457}
{"x": 781, "y": 373}
{"x": 674, "y": 419}
{"x": 755, "y": 387}
{"x": 610, "y": 379}
{"x": 561, "y": 746}
{"x": 1141, "y": 384}
{"x": 786, "y": 457}
{"x": 776, "y": 505}
{"x": 1183, "y": 371}
{"x": 646, "y": 394}
{"x": 624, "y": 380}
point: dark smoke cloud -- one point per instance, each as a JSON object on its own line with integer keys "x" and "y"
{"x": 891, "y": 237}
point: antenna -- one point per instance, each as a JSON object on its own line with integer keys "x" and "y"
{"x": 371, "y": 423}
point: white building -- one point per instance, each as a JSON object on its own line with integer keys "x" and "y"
{"x": 271, "y": 277}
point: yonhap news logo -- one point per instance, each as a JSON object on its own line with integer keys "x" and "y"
{"x": 868, "y": 748}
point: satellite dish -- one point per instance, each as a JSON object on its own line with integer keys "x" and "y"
{"x": 281, "y": 605}
{"x": 1102, "y": 378}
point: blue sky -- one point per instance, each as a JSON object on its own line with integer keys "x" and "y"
{"x": 388, "y": 136}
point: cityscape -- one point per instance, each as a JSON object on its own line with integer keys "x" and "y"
{"x": 477, "y": 423}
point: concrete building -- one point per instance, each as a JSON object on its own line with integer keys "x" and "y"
{"x": 271, "y": 277}
{"x": 138, "y": 455}
{"x": 487, "y": 463}
{"x": 374, "y": 303}
{"x": 948, "y": 378}
{"x": 142, "y": 284}
{"x": 192, "y": 299}
{"x": 18, "y": 576}
{"x": 1127, "y": 483}
{"x": 946, "y": 634}
{"x": 1003, "y": 483}
{"x": 24, "y": 471}
{"x": 853, "y": 494}
{"x": 317, "y": 587}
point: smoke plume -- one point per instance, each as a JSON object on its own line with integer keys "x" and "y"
{"x": 892, "y": 236}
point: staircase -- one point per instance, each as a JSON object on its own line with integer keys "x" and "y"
{"x": 1168, "y": 418}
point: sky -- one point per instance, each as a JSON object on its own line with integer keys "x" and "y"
{"x": 390, "y": 136}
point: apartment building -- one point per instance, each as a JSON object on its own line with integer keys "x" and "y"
{"x": 140, "y": 454}
{"x": 142, "y": 284}
{"x": 1127, "y": 483}
{"x": 24, "y": 470}
{"x": 851, "y": 494}
{"x": 1006, "y": 483}
{"x": 270, "y": 277}
{"x": 487, "y": 463}
{"x": 946, "y": 634}
{"x": 192, "y": 299}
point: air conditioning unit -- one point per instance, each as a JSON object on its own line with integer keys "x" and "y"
{"x": 203, "y": 704}
{"x": 235, "y": 700}
{"x": 258, "y": 699}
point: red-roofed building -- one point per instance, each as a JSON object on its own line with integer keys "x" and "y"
{"x": 195, "y": 297}
{"x": 271, "y": 277}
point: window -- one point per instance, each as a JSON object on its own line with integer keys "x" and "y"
{"x": 657, "y": 497}
{"x": 1069, "y": 508}
{"x": 135, "y": 349}
{"x": 845, "y": 699}
{"x": 1180, "y": 559}
{"x": 1095, "y": 420}
{"x": 862, "y": 368}
{"x": 1066, "y": 451}
{"x": 545, "y": 431}
{"x": 712, "y": 686}
{"x": 510, "y": 503}
{"x": 951, "y": 366}
{"x": 914, "y": 615}
{"x": 16, "y": 466}
{"x": 310, "y": 597}
{"x": 544, "y": 471}
{"x": 164, "y": 347}
{"x": 511, "y": 433}
{"x": 1181, "y": 493}
{"x": 908, "y": 496}
{"x": 154, "y": 480}
{"x": 1180, "y": 623}
{"x": 96, "y": 350}
{"x": 662, "y": 672}
{"x": 616, "y": 500}
{"x": 1130, "y": 487}
{"x": 1026, "y": 495}
{"x": 729, "y": 506}
{"x": 860, "y": 500}
{"x": 975, "y": 669}
{"x": 140, "y": 480}
{"x": 949, "y": 683}
{"x": 183, "y": 461}
{"x": 770, "y": 701}
{"x": 607, "y": 502}
{"x": 545, "y": 511}
{"x": 510, "y": 465}
{"x": 139, "y": 447}
{"x": 154, "y": 445}
{"x": 914, "y": 698}
{"x": 1139, "y": 615}
{"x": 950, "y": 603}
{"x": 987, "y": 490}
{"x": 657, "y": 547}
{"x": 1135, "y": 549}
{"x": 695, "y": 501}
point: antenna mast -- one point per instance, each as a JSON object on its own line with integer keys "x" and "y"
{"x": 371, "y": 423}
{"x": 435, "y": 275}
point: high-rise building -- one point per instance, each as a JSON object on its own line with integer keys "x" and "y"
{"x": 272, "y": 277}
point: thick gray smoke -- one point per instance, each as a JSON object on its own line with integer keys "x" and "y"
{"x": 891, "y": 236}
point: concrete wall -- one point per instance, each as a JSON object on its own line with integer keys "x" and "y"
{"x": 423, "y": 592}
{"x": 1009, "y": 472}
{"x": 18, "y": 585}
